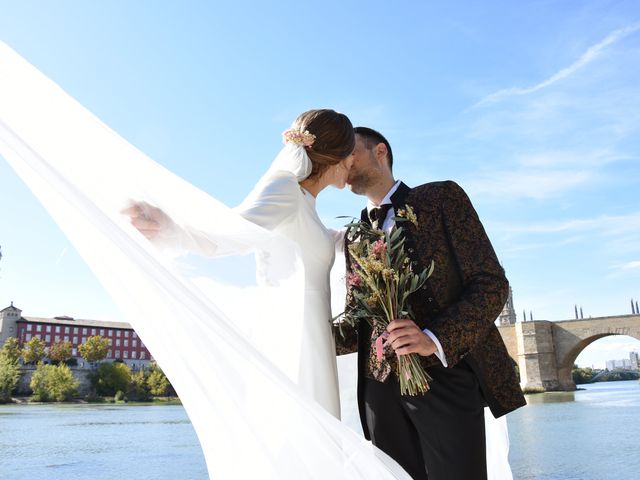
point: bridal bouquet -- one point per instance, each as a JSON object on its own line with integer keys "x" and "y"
{"x": 381, "y": 281}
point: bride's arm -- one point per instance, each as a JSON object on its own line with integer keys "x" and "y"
{"x": 338, "y": 240}
{"x": 272, "y": 201}
{"x": 269, "y": 204}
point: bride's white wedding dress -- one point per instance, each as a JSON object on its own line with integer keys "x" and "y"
{"x": 280, "y": 204}
{"x": 243, "y": 363}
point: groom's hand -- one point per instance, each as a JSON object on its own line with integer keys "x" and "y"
{"x": 406, "y": 337}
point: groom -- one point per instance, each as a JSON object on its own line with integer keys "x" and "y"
{"x": 438, "y": 435}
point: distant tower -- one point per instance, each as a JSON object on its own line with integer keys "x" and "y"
{"x": 633, "y": 309}
{"x": 530, "y": 315}
{"x": 575, "y": 307}
{"x": 581, "y": 316}
{"x": 637, "y": 311}
{"x": 8, "y": 318}
{"x": 508, "y": 314}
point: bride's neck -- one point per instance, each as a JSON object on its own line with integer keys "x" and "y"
{"x": 314, "y": 185}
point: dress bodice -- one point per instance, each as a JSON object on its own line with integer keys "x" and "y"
{"x": 280, "y": 204}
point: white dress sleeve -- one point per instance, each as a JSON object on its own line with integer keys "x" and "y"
{"x": 272, "y": 201}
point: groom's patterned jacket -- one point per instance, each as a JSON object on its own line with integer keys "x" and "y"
{"x": 461, "y": 299}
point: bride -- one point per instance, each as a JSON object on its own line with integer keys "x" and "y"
{"x": 317, "y": 154}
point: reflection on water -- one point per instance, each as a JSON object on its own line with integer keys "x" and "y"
{"x": 551, "y": 397}
{"x": 582, "y": 435}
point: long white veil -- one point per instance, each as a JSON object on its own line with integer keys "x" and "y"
{"x": 249, "y": 417}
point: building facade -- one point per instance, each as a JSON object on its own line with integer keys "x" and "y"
{"x": 124, "y": 342}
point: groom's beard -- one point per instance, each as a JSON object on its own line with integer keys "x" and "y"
{"x": 360, "y": 182}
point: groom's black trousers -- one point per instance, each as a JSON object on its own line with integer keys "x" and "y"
{"x": 436, "y": 436}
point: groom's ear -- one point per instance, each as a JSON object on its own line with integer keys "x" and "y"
{"x": 382, "y": 154}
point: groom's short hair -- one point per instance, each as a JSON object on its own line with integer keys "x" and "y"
{"x": 372, "y": 138}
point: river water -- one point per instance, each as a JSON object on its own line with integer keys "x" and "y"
{"x": 591, "y": 434}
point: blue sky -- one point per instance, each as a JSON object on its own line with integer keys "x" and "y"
{"x": 533, "y": 107}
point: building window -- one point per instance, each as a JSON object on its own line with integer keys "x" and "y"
{"x": 142, "y": 355}
{"x": 57, "y": 338}
{"x": 38, "y": 328}
{"x": 66, "y": 329}
{"x": 57, "y": 328}
{"x": 117, "y": 342}
{"x": 93, "y": 331}
{"x": 134, "y": 343}
{"x": 109, "y": 354}
{"x": 66, "y": 338}
{"x": 75, "y": 340}
{"x": 117, "y": 353}
{"x": 126, "y": 333}
{"x": 126, "y": 342}
{"x": 74, "y": 352}
{"x": 126, "y": 354}
{"x": 28, "y": 337}
{"x": 118, "y": 332}
{"x": 75, "y": 330}
{"x": 29, "y": 327}
{"x": 48, "y": 328}
{"x": 133, "y": 354}
{"x": 84, "y": 331}
{"x": 102, "y": 332}
{"x": 110, "y": 342}
{"x": 47, "y": 338}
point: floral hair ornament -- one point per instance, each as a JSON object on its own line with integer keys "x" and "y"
{"x": 297, "y": 137}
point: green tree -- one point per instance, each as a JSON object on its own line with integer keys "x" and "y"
{"x": 94, "y": 349}
{"x": 138, "y": 388}
{"x": 53, "y": 382}
{"x": 39, "y": 383}
{"x": 60, "y": 352}
{"x": 62, "y": 384}
{"x": 111, "y": 377}
{"x": 33, "y": 351}
{"x": 11, "y": 349}
{"x": 581, "y": 375}
{"x": 157, "y": 382}
{"x": 9, "y": 376}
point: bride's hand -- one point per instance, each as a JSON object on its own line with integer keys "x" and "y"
{"x": 149, "y": 220}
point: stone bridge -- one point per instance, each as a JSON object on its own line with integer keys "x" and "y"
{"x": 546, "y": 351}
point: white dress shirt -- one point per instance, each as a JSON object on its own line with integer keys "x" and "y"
{"x": 387, "y": 226}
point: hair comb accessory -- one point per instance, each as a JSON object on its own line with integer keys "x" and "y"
{"x": 297, "y": 137}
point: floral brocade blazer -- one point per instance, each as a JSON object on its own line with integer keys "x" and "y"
{"x": 459, "y": 302}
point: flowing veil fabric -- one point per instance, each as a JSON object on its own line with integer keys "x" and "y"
{"x": 250, "y": 418}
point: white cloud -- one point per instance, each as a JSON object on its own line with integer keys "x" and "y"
{"x": 611, "y": 225}
{"x": 587, "y": 57}
{"x": 631, "y": 265}
{"x": 533, "y": 183}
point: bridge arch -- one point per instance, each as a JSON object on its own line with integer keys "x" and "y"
{"x": 546, "y": 351}
{"x": 565, "y": 365}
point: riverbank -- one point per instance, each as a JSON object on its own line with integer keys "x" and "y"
{"x": 101, "y": 400}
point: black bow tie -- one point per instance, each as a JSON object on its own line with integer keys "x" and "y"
{"x": 378, "y": 215}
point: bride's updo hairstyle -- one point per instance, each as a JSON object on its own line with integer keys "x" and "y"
{"x": 334, "y": 140}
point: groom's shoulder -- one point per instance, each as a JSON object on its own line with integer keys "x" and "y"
{"x": 439, "y": 188}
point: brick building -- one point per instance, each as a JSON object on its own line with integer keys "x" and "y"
{"x": 124, "y": 342}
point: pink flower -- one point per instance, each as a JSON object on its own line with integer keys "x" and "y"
{"x": 379, "y": 247}
{"x": 354, "y": 280}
